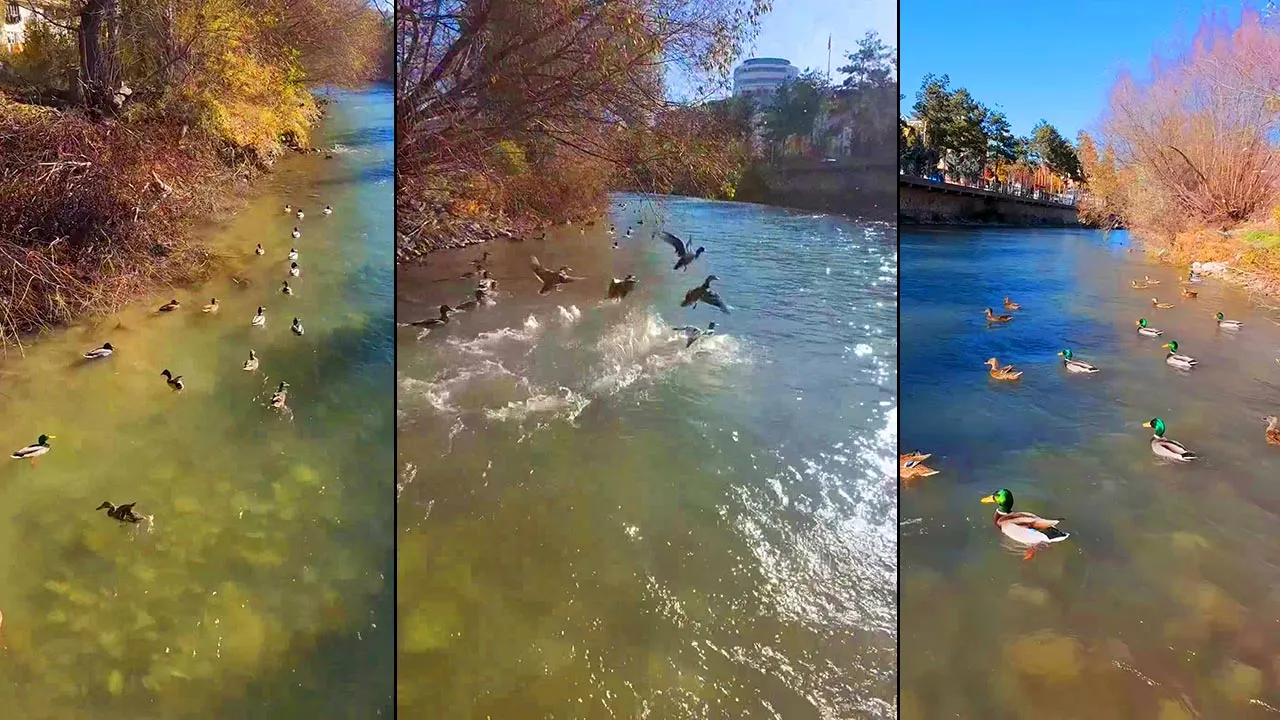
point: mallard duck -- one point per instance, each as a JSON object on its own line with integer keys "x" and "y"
{"x": 123, "y": 513}
{"x": 481, "y": 297}
{"x": 1164, "y": 447}
{"x": 296, "y": 234}
{"x": 1161, "y": 305}
{"x": 280, "y": 396}
{"x": 1076, "y": 366}
{"x": 327, "y": 210}
{"x": 1228, "y": 324}
{"x": 1023, "y": 528}
{"x": 915, "y": 456}
{"x": 1185, "y": 362}
{"x": 1137, "y": 285}
{"x": 993, "y": 318}
{"x": 1273, "y": 429}
{"x": 259, "y": 250}
{"x": 293, "y": 253}
{"x": 552, "y": 279}
{"x": 1011, "y": 305}
{"x": 170, "y": 306}
{"x": 297, "y": 327}
{"x": 627, "y": 234}
{"x": 300, "y": 214}
{"x": 618, "y": 289}
{"x": 684, "y": 256}
{"x": 1002, "y": 373}
{"x": 914, "y": 470}
{"x": 174, "y": 381}
{"x": 612, "y": 231}
{"x": 480, "y": 274}
{"x": 1149, "y": 281}
{"x": 431, "y": 322}
{"x": 288, "y": 209}
{"x": 31, "y": 452}
{"x": 294, "y": 270}
{"x": 704, "y": 293}
{"x": 212, "y": 307}
{"x": 1188, "y": 293}
{"x": 260, "y": 318}
{"x": 286, "y": 289}
{"x": 252, "y": 363}
{"x": 481, "y": 262}
{"x": 1144, "y": 329}
{"x": 694, "y": 334}
{"x": 1192, "y": 277}
{"x": 99, "y": 353}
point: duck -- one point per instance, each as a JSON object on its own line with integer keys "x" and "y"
{"x": 481, "y": 298}
{"x": 552, "y": 279}
{"x": 1228, "y": 324}
{"x": 1189, "y": 293}
{"x": 252, "y": 363}
{"x": 296, "y": 234}
{"x": 1144, "y": 329}
{"x": 1184, "y": 362}
{"x": 993, "y": 318}
{"x": 123, "y": 513}
{"x": 1192, "y": 277}
{"x": 288, "y": 209}
{"x": 327, "y": 210}
{"x": 909, "y": 470}
{"x": 1076, "y": 366}
{"x": 704, "y": 293}
{"x": 300, "y": 214}
{"x": 1023, "y": 528}
{"x": 31, "y": 452}
{"x": 1002, "y": 373}
{"x": 259, "y": 250}
{"x": 297, "y": 327}
{"x": 627, "y": 234}
{"x": 1146, "y": 279}
{"x": 914, "y": 455}
{"x": 1164, "y": 447}
{"x": 1137, "y": 285}
{"x": 480, "y": 274}
{"x": 280, "y": 396}
{"x": 286, "y": 289}
{"x": 294, "y": 270}
{"x": 99, "y": 353}
{"x": 684, "y": 257}
{"x": 432, "y": 322}
{"x": 618, "y": 289}
{"x": 212, "y": 307}
{"x": 1011, "y": 305}
{"x": 1273, "y": 429}
{"x": 694, "y": 334}
{"x": 170, "y": 306}
{"x": 293, "y": 253}
{"x": 1161, "y": 305}
{"x": 612, "y": 231}
{"x": 481, "y": 262}
{"x": 174, "y": 381}
{"x": 259, "y": 319}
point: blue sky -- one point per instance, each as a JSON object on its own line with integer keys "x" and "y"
{"x": 797, "y": 30}
{"x": 1036, "y": 60}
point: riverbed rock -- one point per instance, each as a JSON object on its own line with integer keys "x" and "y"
{"x": 1239, "y": 682}
{"x": 1046, "y": 656}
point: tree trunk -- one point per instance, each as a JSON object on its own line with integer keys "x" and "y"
{"x": 98, "y": 64}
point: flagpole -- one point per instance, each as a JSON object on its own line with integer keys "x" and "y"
{"x": 828, "y": 58}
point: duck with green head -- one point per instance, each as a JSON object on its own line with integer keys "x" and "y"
{"x": 1228, "y": 324}
{"x": 1076, "y": 366}
{"x": 1147, "y": 330}
{"x": 1164, "y": 447}
{"x": 1184, "y": 362}
{"x": 1023, "y": 528}
{"x": 31, "y": 452}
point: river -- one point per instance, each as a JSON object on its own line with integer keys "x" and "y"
{"x": 1163, "y": 603}
{"x": 598, "y": 522}
{"x": 262, "y": 587}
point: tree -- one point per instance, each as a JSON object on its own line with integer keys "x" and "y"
{"x": 796, "y": 108}
{"x": 873, "y": 65}
{"x": 1055, "y": 151}
{"x": 1001, "y": 143}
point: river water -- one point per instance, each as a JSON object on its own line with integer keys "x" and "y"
{"x": 597, "y": 522}
{"x": 262, "y": 588}
{"x": 1165, "y": 601}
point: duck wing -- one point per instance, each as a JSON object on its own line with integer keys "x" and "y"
{"x": 1030, "y": 520}
{"x": 693, "y": 296}
{"x": 545, "y": 275}
{"x": 675, "y": 242}
{"x": 711, "y": 298}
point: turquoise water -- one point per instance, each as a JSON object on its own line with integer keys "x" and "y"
{"x": 262, "y": 587}
{"x": 1163, "y": 601}
{"x": 598, "y": 522}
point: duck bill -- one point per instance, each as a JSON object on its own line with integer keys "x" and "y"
{"x": 1165, "y": 345}
{"x": 989, "y": 500}
{"x": 1146, "y": 424}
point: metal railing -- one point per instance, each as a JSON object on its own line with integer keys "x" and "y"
{"x": 1067, "y": 199}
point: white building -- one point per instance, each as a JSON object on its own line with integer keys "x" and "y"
{"x": 15, "y": 20}
{"x": 758, "y": 78}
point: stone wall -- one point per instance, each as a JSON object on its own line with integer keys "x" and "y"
{"x": 922, "y": 205}
{"x": 857, "y": 189}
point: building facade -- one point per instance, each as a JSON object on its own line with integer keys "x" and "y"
{"x": 758, "y": 78}
{"x": 11, "y": 30}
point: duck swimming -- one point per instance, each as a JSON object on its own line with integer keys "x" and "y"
{"x": 297, "y": 327}
{"x": 1144, "y": 329}
{"x": 212, "y": 307}
{"x": 252, "y": 363}
{"x": 1164, "y": 447}
{"x": 1161, "y": 305}
{"x": 293, "y": 253}
{"x": 300, "y": 215}
{"x": 260, "y": 319}
{"x": 1188, "y": 293}
{"x": 909, "y": 470}
{"x": 694, "y": 334}
{"x": 1228, "y": 324}
{"x": 914, "y": 455}
{"x": 296, "y": 234}
{"x": 618, "y": 289}
{"x": 1011, "y": 305}
{"x": 99, "y": 353}
{"x": 1149, "y": 281}
{"x": 328, "y": 210}
{"x": 1137, "y": 285}
{"x": 1002, "y": 373}
{"x": 432, "y": 322}
{"x": 684, "y": 257}
{"x": 1192, "y": 277}
{"x": 552, "y": 279}
{"x": 1023, "y": 528}
{"x": 286, "y": 289}
{"x": 259, "y": 250}
{"x": 288, "y": 209}
{"x": 1076, "y": 366}
{"x": 481, "y": 298}
{"x": 31, "y": 452}
{"x": 123, "y": 513}
{"x": 1273, "y": 429}
{"x": 294, "y": 270}
{"x": 1184, "y": 362}
{"x": 280, "y": 396}
{"x": 170, "y": 306}
{"x": 993, "y": 318}
{"x": 704, "y": 293}
{"x": 174, "y": 381}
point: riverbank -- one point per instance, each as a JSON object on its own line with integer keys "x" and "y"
{"x": 1248, "y": 256}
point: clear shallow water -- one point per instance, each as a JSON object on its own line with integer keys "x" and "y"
{"x": 1163, "y": 603}
{"x": 597, "y": 522}
{"x": 263, "y": 588}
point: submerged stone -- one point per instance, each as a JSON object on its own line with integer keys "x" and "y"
{"x": 1046, "y": 656}
{"x": 1239, "y": 682}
